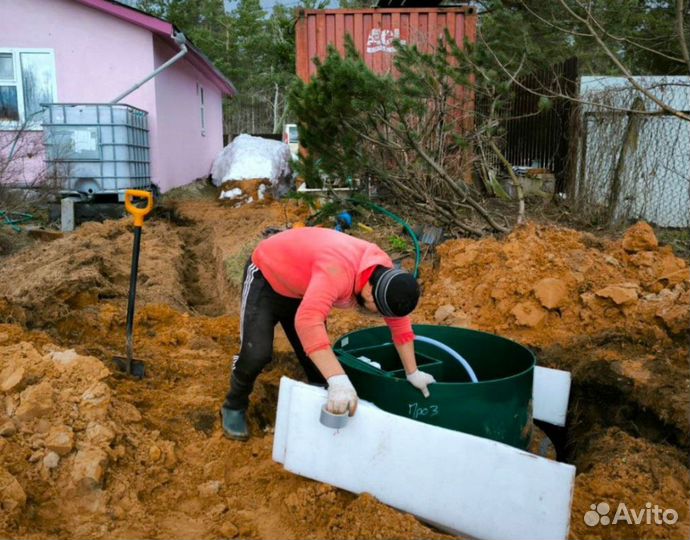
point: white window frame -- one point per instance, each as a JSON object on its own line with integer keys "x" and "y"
{"x": 202, "y": 107}
{"x": 19, "y": 83}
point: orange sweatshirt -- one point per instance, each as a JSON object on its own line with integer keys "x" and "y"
{"x": 324, "y": 268}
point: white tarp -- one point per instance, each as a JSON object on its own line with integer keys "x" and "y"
{"x": 250, "y": 158}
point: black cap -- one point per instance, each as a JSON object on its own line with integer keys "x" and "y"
{"x": 395, "y": 291}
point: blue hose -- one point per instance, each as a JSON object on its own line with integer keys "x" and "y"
{"x": 450, "y": 351}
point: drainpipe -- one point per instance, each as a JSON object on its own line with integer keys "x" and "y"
{"x": 181, "y": 42}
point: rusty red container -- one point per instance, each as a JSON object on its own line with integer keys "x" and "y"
{"x": 375, "y": 30}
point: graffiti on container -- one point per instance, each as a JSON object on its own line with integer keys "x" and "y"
{"x": 415, "y": 411}
{"x": 382, "y": 40}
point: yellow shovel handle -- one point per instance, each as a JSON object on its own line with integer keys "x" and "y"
{"x": 138, "y": 213}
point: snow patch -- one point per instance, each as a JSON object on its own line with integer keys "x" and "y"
{"x": 251, "y": 158}
{"x": 231, "y": 194}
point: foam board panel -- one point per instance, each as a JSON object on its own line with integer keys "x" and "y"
{"x": 283, "y": 418}
{"x": 461, "y": 483}
{"x": 550, "y": 395}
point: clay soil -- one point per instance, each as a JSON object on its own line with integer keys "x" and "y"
{"x": 88, "y": 453}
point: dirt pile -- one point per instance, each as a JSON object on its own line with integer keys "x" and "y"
{"x": 615, "y": 313}
{"x": 46, "y": 284}
{"x": 545, "y": 285}
{"x": 233, "y": 233}
{"x": 62, "y": 429}
{"x": 356, "y": 522}
{"x": 85, "y": 453}
{"x": 191, "y": 260}
{"x": 616, "y": 468}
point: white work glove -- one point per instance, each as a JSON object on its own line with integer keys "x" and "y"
{"x": 421, "y": 380}
{"x": 341, "y": 395}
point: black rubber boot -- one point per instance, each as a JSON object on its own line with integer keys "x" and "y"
{"x": 234, "y": 424}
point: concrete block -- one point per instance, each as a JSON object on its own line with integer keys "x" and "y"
{"x": 67, "y": 219}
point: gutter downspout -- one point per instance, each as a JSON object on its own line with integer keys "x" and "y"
{"x": 182, "y": 43}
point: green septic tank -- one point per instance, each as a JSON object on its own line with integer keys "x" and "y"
{"x": 498, "y": 407}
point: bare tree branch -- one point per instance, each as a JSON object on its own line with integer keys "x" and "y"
{"x": 590, "y": 22}
{"x": 681, "y": 32}
{"x": 622, "y": 39}
{"x": 516, "y": 81}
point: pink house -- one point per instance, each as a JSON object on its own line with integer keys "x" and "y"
{"x": 91, "y": 51}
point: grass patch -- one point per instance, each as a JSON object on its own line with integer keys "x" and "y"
{"x": 234, "y": 264}
{"x": 678, "y": 239}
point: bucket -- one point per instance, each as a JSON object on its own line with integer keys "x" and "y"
{"x": 498, "y": 407}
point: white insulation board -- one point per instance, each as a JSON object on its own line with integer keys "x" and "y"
{"x": 550, "y": 395}
{"x": 461, "y": 483}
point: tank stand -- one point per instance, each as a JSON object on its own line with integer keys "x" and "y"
{"x": 67, "y": 218}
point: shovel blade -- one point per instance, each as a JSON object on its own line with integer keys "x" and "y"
{"x": 136, "y": 367}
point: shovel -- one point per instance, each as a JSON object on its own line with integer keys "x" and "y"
{"x": 130, "y": 365}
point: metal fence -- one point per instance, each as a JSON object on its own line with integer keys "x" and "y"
{"x": 634, "y": 160}
{"x": 537, "y": 129}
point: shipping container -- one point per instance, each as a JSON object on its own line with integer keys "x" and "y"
{"x": 374, "y": 32}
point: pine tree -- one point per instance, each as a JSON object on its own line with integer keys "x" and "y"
{"x": 334, "y": 108}
{"x": 357, "y": 4}
{"x": 539, "y": 33}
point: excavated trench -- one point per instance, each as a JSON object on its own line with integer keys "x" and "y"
{"x": 601, "y": 399}
{"x": 605, "y": 406}
{"x": 629, "y": 441}
{"x": 200, "y": 274}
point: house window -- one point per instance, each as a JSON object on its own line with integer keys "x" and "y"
{"x": 27, "y": 79}
{"x": 203, "y": 111}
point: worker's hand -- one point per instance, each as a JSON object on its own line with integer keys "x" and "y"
{"x": 421, "y": 380}
{"x": 341, "y": 395}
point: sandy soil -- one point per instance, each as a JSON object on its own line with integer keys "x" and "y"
{"x": 88, "y": 453}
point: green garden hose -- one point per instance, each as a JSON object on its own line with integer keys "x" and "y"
{"x": 398, "y": 219}
{"x": 13, "y": 219}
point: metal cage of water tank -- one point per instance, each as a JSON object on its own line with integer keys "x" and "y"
{"x": 97, "y": 148}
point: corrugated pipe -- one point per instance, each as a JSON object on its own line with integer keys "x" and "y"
{"x": 181, "y": 42}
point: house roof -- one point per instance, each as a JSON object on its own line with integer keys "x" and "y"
{"x": 165, "y": 30}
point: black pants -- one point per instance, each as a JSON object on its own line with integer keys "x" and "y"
{"x": 263, "y": 308}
